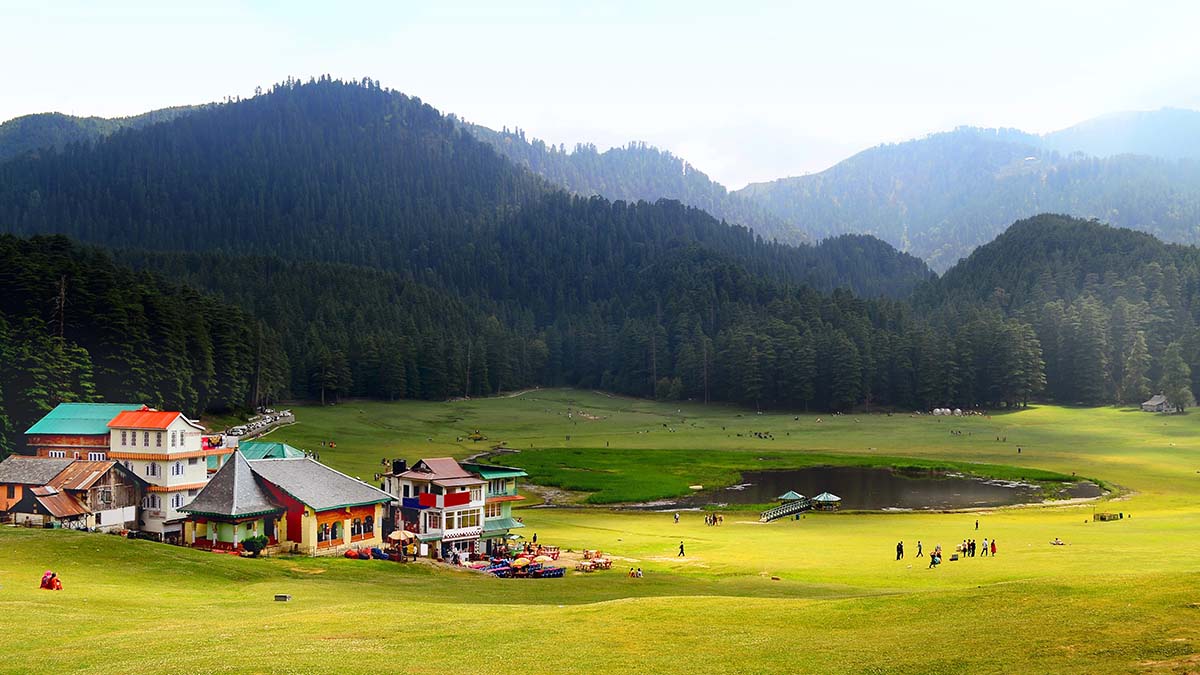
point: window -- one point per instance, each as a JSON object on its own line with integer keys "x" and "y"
{"x": 12, "y": 491}
{"x": 323, "y": 533}
{"x": 369, "y": 525}
{"x": 177, "y": 500}
{"x": 158, "y": 440}
{"x": 58, "y": 454}
{"x": 465, "y": 519}
{"x": 434, "y": 521}
{"x": 145, "y": 439}
{"x": 172, "y": 439}
{"x": 152, "y": 469}
{"x": 476, "y": 494}
{"x": 151, "y": 501}
{"x": 493, "y": 510}
{"x": 356, "y": 527}
{"x": 193, "y": 492}
{"x": 177, "y": 469}
{"x": 124, "y": 441}
{"x": 97, "y": 456}
{"x": 105, "y": 496}
{"x": 128, "y": 465}
{"x": 406, "y": 486}
{"x": 193, "y": 460}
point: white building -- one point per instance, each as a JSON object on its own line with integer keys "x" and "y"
{"x": 166, "y": 450}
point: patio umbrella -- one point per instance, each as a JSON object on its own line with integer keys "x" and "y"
{"x": 519, "y": 562}
{"x": 543, "y": 559}
{"x": 401, "y": 535}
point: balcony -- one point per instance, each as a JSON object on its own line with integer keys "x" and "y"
{"x": 429, "y": 500}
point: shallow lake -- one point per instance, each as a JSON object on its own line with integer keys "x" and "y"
{"x": 878, "y": 489}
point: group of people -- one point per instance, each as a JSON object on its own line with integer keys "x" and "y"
{"x": 51, "y": 582}
{"x": 712, "y": 519}
{"x": 635, "y": 574}
{"x": 969, "y": 547}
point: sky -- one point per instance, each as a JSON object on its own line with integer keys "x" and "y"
{"x": 745, "y": 91}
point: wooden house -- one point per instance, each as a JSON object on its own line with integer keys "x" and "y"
{"x": 75, "y": 431}
{"x": 1157, "y": 403}
{"x": 77, "y": 494}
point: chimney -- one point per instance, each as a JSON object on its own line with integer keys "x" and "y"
{"x": 399, "y": 466}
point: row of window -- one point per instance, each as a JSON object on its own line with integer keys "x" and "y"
{"x": 177, "y": 467}
{"x": 454, "y": 520}
{"x": 178, "y": 499}
{"x": 92, "y": 456}
{"x": 493, "y": 510}
{"x": 130, "y": 438}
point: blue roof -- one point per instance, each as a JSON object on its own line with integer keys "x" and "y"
{"x": 267, "y": 450}
{"x": 88, "y": 419}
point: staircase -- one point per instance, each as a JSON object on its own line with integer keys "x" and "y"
{"x": 788, "y": 509}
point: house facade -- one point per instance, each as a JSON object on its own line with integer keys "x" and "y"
{"x": 441, "y": 502}
{"x": 77, "y": 494}
{"x": 166, "y": 450}
{"x": 75, "y": 431}
{"x": 500, "y": 495}
{"x": 300, "y": 504}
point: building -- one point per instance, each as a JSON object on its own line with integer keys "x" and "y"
{"x": 826, "y": 502}
{"x": 1157, "y": 403}
{"x": 166, "y": 450}
{"x": 232, "y": 507}
{"x": 441, "y": 502}
{"x": 501, "y": 494}
{"x": 257, "y": 450}
{"x": 77, "y": 494}
{"x": 75, "y": 431}
{"x": 302, "y": 505}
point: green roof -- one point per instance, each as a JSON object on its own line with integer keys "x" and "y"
{"x": 89, "y": 419}
{"x": 261, "y": 450}
{"x": 790, "y": 496}
{"x": 267, "y": 450}
{"x": 501, "y": 525}
{"x": 493, "y": 472}
{"x": 825, "y": 497}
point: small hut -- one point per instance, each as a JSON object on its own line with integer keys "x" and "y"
{"x": 1157, "y": 403}
{"x": 826, "y": 502}
{"x": 790, "y": 496}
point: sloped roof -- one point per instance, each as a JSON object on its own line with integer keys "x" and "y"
{"x": 790, "y": 496}
{"x": 59, "y": 504}
{"x": 234, "y": 492}
{"x": 437, "y": 468}
{"x": 317, "y": 485}
{"x": 458, "y": 482}
{"x": 31, "y": 470}
{"x": 1157, "y": 399}
{"x": 267, "y": 450}
{"x": 80, "y": 475}
{"x": 827, "y": 497}
{"x": 146, "y": 418}
{"x": 85, "y": 419}
{"x": 494, "y": 471}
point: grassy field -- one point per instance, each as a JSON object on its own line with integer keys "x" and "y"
{"x": 819, "y": 595}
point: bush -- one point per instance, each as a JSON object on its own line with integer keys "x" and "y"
{"x": 254, "y": 545}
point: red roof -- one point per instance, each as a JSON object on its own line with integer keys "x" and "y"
{"x": 145, "y": 418}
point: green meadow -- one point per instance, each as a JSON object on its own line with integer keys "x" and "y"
{"x": 818, "y": 595}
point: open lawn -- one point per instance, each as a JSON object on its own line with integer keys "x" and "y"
{"x": 1120, "y": 597}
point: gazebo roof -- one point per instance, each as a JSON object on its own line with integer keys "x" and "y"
{"x": 826, "y": 497}
{"x": 790, "y": 496}
{"x": 233, "y": 492}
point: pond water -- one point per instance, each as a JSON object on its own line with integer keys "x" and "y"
{"x": 878, "y": 489}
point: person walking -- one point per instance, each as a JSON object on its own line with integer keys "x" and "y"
{"x": 919, "y": 553}
{"x": 899, "y": 550}
{"x": 976, "y": 524}
{"x": 681, "y": 555}
{"x": 993, "y": 547}
{"x": 676, "y": 518}
{"x": 985, "y": 548}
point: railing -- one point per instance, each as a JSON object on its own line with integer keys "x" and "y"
{"x": 787, "y": 509}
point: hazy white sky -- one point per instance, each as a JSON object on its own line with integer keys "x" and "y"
{"x": 746, "y": 91}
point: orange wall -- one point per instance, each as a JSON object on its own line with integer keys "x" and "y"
{"x": 5, "y": 502}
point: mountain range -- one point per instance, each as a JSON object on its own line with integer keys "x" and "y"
{"x": 373, "y": 246}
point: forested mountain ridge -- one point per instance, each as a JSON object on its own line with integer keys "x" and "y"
{"x": 1115, "y": 310}
{"x": 357, "y": 174}
{"x": 634, "y": 172}
{"x": 75, "y": 325}
{"x": 939, "y": 197}
{"x": 54, "y": 131}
